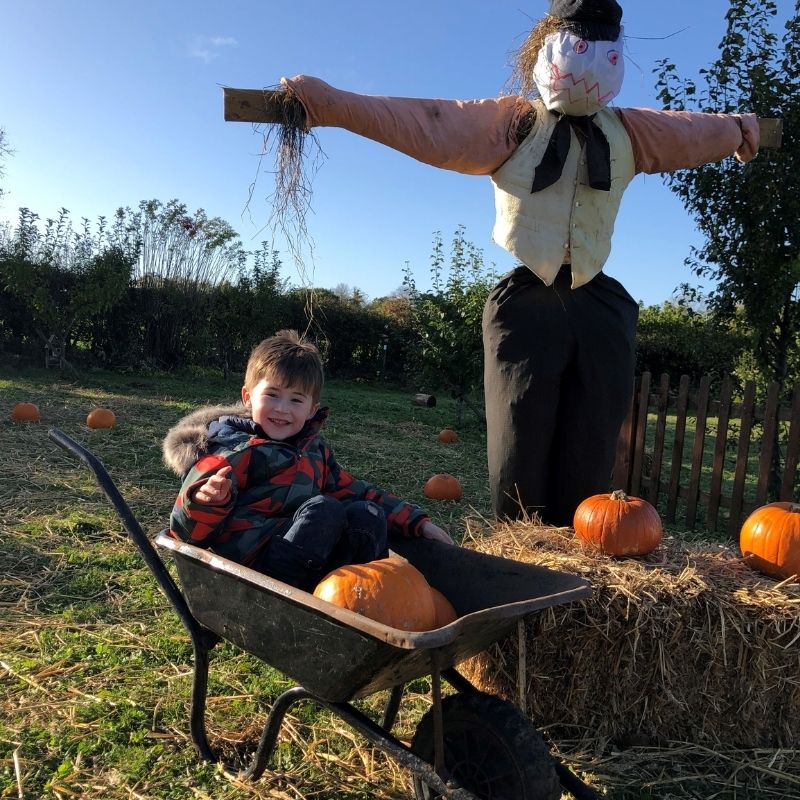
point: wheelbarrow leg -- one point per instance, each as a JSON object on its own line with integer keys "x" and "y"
{"x": 438, "y": 724}
{"x": 197, "y": 718}
{"x": 272, "y": 727}
{"x": 573, "y": 784}
{"x": 392, "y": 707}
{"x": 359, "y": 722}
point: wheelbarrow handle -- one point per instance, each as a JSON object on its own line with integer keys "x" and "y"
{"x": 132, "y": 527}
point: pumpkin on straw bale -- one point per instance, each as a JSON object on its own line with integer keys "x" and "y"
{"x": 686, "y": 644}
{"x": 770, "y": 539}
{"x": 618, "y": 524}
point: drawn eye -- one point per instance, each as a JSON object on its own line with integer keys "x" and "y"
{"x": 613, "y": 57}
{"x": 581, "y": 46}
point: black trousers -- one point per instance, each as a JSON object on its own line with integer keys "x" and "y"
{"x": 558, "y": 381}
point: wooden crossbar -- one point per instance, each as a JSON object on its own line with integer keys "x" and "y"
{"x": 263, "y": 105}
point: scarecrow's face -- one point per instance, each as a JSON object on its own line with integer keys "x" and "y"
{"x": 578, "y": 77}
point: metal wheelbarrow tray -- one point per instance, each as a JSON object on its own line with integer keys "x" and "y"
{"x": 336, "y": 655}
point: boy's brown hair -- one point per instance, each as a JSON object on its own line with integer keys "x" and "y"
{"x": 289, "y": 358}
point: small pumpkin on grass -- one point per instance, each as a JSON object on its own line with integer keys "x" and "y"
{"x": 770, "y": 539}
{"x": 618, "y": 525}
{"x": 447, "y": 436}
{"x": 101, "y": 418}
{"x": 25, "y": 412}
{"x": 442, "y": 487}
{"x": 389, "y": 590}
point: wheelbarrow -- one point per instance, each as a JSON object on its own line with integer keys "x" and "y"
{"x": 469, "y": 746}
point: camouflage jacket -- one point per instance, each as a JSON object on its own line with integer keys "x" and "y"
{"x": 270, "y": 481}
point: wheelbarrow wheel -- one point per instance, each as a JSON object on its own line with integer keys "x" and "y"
{"x": 490, "y": 748}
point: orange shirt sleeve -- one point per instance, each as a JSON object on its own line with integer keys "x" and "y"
{"x": 664, "y": 141}
{"x": 474, "y": 137}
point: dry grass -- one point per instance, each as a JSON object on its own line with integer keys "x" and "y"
{"x": 95, "y": 669}
{"x": 683, "y": 666}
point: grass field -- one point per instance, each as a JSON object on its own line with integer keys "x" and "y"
{"x": 95, "y": 668}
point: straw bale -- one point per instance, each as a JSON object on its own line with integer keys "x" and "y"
{"x": 687, "y": 644}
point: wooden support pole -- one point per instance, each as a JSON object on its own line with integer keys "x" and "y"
{"x": 253, "y": 105}
{"x": 771, "y": 132}
{"x": 264, "y": 105}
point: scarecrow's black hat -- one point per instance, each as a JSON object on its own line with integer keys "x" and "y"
{"x": 593, "y": 20}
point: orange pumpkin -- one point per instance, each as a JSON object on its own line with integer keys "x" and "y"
{"x": 25, "y": 412}
{"x": 447, "y": 436}
{"x": 617, "y": 524}
{"x": 389, "y": 590}
{"x": 445, "y": 613}
{"x": 101, "y": 418}
{"x": 770, "y": 539}
{"x": 442, "y": 487}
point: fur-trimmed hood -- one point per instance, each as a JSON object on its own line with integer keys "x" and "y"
{"x": 188, "y": 439}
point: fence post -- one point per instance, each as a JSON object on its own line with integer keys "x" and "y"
{"x": 720, "y": 446}
{"x": 621, "y": 474}
{"x": 640, "y": 433}
{"x": 767, "y": 442}
{"x": 697, "y": 452}
{"x": 737, "y": 498}
{"x": 658, "y": 444}
{"x": 792, "y": 450}
{"x": 677, "y": 450}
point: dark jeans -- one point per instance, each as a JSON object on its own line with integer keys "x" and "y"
{"x": 325, "y": 534}
{"x": 558, "y": 379}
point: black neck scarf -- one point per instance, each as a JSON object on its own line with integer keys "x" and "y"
{"x": 598, "y": 153}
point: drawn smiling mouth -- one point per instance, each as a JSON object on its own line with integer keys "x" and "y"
{"x": 572, "y": 84}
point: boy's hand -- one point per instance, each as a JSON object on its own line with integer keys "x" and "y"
{"x": 431, "y": 531}
{"x": 216, "y": 491}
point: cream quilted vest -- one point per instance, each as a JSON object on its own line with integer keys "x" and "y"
{"x": 568, "y": 222}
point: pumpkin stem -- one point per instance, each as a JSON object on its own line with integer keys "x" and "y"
{"x": 619, "y": 494}
{"x": 794, "y": 508}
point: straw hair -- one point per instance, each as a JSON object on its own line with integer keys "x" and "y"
{"x": 521, "y": 81}
{"x": 288, "y": 358}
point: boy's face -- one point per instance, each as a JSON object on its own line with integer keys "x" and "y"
{"x": 280, "y": 410}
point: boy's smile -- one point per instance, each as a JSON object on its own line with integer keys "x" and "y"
{"x": 281, "y": 411}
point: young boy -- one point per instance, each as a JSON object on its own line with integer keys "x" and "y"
{"x": 262, "y": 488}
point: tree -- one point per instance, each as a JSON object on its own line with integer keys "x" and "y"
{"x": 190, "y": 250}
{"x": 447, "y": 320}
{"x": 396, "y": 306}
{"x": 181, "y": 258}
{"x": 749, "y": 216}
{"x": 679, "y": 340}
{"x": 62, "y": 277}
{"x": 245, "y": 312}
{"x": 5, "y": 151}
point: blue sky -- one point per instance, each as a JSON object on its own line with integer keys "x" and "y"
{"x": 109, "y": 103}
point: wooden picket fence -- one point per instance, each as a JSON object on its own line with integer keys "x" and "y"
{"x": 705, "y": 461}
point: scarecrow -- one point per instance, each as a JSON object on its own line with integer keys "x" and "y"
{"x": 558, "y": 332}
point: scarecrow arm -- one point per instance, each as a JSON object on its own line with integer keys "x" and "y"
{"x": 473, "y": 137}
{"x": 664, "y": 141}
